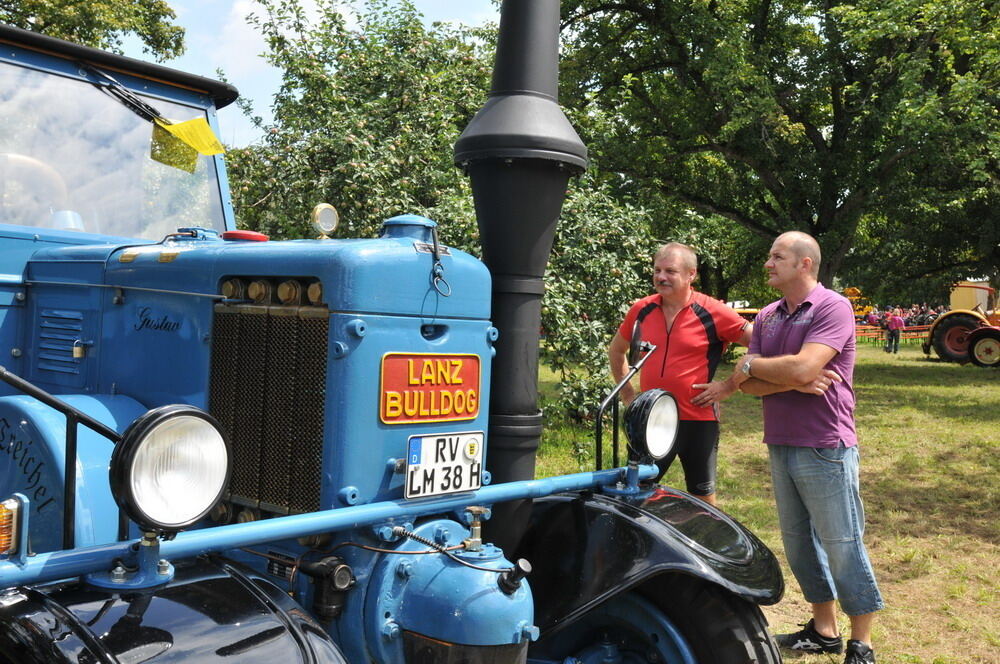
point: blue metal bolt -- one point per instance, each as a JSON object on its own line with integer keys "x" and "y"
{"x": 348, "y": 495}
{"x": 611, "y": 654}
{"x": 529, "y": 632}
{"x": 441, "y": 534}
{"x": 390, "y": 630}
{"x": 404, "y": 570}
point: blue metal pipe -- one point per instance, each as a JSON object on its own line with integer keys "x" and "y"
{"x": 65, "y": 564}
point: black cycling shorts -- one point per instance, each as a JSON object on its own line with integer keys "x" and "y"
{"x": 698, "y": 446}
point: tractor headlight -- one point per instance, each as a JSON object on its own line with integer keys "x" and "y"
{"x": 170, "y": 468}
{"x": 651, "y": 424}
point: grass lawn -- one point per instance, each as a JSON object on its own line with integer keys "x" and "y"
{"x": 930, "y": 449}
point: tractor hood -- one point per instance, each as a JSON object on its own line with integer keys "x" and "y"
{"x": 394, "y": 273}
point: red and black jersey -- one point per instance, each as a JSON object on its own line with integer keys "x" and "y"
{"x": 690, "y": 352}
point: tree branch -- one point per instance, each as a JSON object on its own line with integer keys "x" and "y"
{"x": 702, "y": 204}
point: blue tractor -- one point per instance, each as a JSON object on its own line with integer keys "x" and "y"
{"x": 218, "y": 448}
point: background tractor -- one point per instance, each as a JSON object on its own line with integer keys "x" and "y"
{"x": 861, "y": 305}
{"x": 970, "y": 330}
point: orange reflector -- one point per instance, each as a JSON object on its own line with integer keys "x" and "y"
{"x": 8, "y": 525}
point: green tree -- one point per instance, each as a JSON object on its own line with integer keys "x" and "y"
{"x": 895, "y": 264}
{"x": 365, "y": 119}
{"x": 100, "y": 23}
{"x": 807, "y": 115}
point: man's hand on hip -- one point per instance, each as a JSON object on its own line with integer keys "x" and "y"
{"x": 713, "y": 392}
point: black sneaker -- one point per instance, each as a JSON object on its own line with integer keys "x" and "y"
{"x": 809, "y": 640}
{"x": 859, "y": 653}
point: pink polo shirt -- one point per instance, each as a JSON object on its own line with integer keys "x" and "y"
{"x": 809, "y": 420}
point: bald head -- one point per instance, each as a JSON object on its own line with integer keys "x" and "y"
{"x": 686, "y": 254}
{"x": 802, "y": 245}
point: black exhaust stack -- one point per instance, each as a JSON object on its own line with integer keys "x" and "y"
{"x": 520, "y": 151}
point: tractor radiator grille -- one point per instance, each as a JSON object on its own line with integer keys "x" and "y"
{"x": 268, "y": 390}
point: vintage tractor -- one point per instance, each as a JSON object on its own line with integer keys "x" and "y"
{"x": 861, "y": 305}
{"x": 969, "y": 332}
{"x": 219, "y": 448}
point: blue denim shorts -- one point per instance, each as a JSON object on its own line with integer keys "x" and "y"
{"x": 822, "y": 525}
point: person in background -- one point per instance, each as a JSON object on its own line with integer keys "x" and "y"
{"x": 893, "y": 330}
{"x": 690, "y": 331}
{"x": 801, "y": 362}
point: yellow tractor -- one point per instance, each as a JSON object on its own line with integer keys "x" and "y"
{"x": 861, "y": 304}
{"x": 970, "y": 332}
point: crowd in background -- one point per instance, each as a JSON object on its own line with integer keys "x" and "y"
{"x": 916, "y": 314}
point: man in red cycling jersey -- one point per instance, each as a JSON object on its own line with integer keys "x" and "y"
{"x": 690, "y": 331}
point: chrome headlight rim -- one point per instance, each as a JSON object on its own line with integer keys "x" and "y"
{"x": 638, "y": 416}
{"x": 128, "y": 448}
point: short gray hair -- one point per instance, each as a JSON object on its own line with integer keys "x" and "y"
{"x": 690, "y": 257}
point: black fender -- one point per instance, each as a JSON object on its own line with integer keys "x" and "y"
{"x": 585, "y": 547}
{"x": 212, "y": 611}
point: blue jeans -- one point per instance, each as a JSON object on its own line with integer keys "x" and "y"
{"x": 892, "y": 341}
{"x": 822, "y": 525}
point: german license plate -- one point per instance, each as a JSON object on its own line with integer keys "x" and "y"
{"x": 443, "y": 463}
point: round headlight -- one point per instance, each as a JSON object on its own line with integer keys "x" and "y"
{"x": 170, "y": 468}
{"x": 651, "y": 424}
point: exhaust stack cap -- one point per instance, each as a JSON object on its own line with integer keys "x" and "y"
{"x": 522, "y": 118}
{"x": 513, "y": 126}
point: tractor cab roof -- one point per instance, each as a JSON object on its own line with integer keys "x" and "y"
{"x": 222, "y": 94}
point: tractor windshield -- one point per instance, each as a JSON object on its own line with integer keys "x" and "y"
{"x": 74, "y": 158}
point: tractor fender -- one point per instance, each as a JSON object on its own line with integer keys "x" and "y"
{"x": 585, "y": 548}
{"x": 33, "y": 457}
{"x": 926, "y": 345}
{"x": 212, "y": 611}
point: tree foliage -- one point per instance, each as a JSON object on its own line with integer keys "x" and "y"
{"x": 365, "y": 119}
{"x": 806, "y": 115}
{"x": 100, "y": 23}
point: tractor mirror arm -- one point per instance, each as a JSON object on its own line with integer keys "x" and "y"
{"x": 646, "y": 349}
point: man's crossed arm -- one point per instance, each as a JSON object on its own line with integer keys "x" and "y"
{"x": 804, "y": 372}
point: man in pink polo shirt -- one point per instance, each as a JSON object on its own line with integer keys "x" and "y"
{"x": 801, "y": 361}
{"x": 894, "y": 327}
